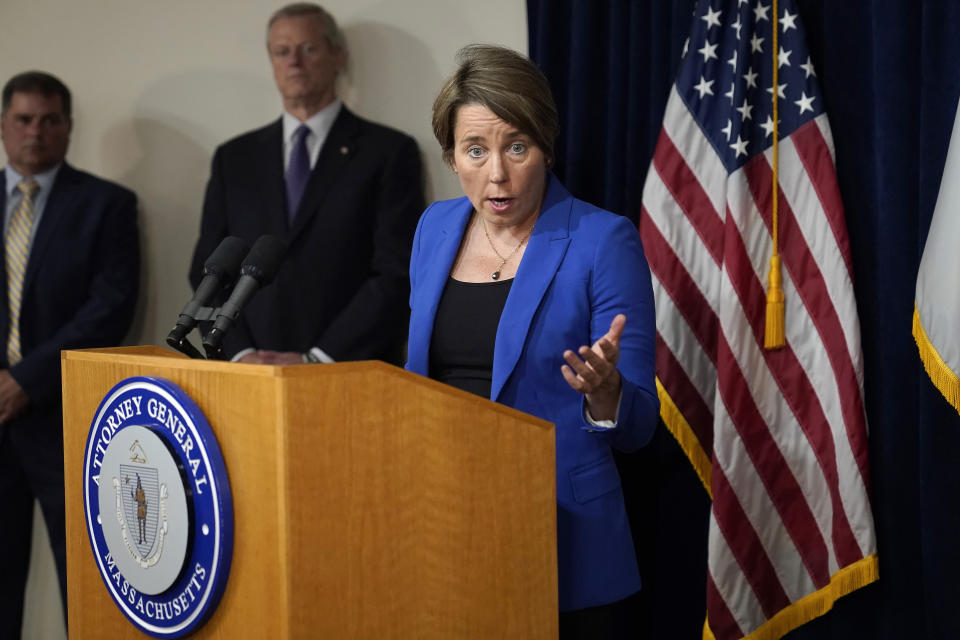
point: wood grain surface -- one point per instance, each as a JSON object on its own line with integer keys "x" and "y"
{"x": 369, "y": 502}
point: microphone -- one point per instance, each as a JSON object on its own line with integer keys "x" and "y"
{"x": 257, "y": 271}
{"x": 219, "y": 270}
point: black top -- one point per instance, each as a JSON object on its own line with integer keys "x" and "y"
{"x": 464, "y": 332}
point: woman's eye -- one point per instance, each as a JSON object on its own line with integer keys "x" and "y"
{"x": 518, "y": 147}
{"x": 474, "y": 152}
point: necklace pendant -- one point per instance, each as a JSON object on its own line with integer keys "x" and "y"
{"x": 495, "y": 275}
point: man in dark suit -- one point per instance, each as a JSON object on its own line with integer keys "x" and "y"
{"x": 72, "y": 271}
{"x": 344, "y": 193}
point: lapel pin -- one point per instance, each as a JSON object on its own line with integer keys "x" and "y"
{"x": 344, "y": 151}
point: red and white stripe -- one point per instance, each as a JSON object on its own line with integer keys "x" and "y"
{"x": 785, "y": 429}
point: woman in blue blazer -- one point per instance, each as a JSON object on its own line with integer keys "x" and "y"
{"x": 539, "y": 301}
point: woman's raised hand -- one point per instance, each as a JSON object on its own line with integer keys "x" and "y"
{"x": 594, "y": 372}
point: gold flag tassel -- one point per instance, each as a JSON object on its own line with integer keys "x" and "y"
{"x": 774, "y": 335}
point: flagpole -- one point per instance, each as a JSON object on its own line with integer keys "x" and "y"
{"x": 774, "y": 336}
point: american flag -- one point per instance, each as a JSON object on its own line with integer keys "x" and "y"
{"x": 779, "y": 437}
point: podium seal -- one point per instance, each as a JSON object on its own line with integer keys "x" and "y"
{"x": 158, "y": 507}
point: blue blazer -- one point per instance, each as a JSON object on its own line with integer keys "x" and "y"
{"x": 582, "y": 266}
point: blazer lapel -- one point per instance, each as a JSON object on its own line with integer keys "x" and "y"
{"x": 269, "y": 173}
{"x": 431, "y": 282}
{"x": 337, "y": 151}
{"x": 544, "y": 253}
{"x": 63, "y": 192}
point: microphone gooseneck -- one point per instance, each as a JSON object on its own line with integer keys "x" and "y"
{"x": 258, "y": 270}
{"x": 219, "y": 271}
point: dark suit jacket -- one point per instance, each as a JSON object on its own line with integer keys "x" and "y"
{"x": 581, "y": 268}
{"x": 80, "y": 290}
{"x": 343, "y": 286}
{"x": 82, "y": 278}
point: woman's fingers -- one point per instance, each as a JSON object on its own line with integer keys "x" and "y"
{"x": 616, "y": 329}
{"x": 595, "y": 365}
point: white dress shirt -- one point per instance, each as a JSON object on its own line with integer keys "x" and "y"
{"x": 319, "y": 124}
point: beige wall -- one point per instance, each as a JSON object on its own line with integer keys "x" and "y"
{"x": 157, "y": 85}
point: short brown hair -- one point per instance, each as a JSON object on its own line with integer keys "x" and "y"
{"x": 505, "y": 82}
{"x": 303, "y": 9}
{"x": 39, "y": 82}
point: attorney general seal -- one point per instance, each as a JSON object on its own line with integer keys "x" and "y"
{"x": 158, "y": 506}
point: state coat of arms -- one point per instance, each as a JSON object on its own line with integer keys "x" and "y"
{"x": 158, "y": 507}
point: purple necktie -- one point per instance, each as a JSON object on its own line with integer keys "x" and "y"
{"x": 298, "y": 170}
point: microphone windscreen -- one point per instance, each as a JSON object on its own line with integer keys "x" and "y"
{"x": 264, "y": 259}
{"x": 226, "y": 259}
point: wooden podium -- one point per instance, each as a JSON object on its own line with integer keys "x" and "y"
{"x": 369, "y": 502}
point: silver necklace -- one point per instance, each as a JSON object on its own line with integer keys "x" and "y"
{"x": 496, "y": 274}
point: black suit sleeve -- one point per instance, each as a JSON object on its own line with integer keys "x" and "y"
{"x": 213, "y": 223}
{"x": 104, "y": 317}
{"x": 213, "y": 229}
{"x": 375, "y": 319}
